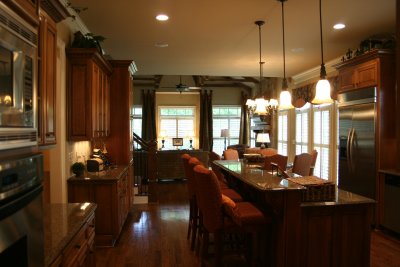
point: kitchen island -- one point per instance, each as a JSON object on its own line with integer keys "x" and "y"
{"x": 67, "y": 226}
{"x": 320, "y": 233}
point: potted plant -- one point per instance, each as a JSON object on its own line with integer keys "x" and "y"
{"x": 78, "y": 168}
{"x": 88, "y": 40}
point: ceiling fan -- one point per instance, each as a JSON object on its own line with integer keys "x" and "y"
{"x": 181, "y": 87}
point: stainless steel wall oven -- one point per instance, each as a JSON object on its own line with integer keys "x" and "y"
{"x": 18, "y": 57}
{"x": 21, "y": 211}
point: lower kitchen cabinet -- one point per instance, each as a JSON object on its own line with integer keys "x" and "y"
{"x": 111, "y": 191}
{"x": 69, "y": 235}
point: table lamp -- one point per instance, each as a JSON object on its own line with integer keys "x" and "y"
{"x": 163, "y": 134}
{"x": 225, "y": 134}
{"x": 263, "y": 138}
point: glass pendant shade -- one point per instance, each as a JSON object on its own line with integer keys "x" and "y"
{"x": 322, "y": 93}
{"x": 261, "y": 104}
{"x": 285, "y": 100}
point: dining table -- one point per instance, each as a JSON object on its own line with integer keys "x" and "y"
{"x": 326, "y": 232}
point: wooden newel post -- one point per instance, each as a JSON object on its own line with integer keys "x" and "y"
{"x": 152, "y": 171}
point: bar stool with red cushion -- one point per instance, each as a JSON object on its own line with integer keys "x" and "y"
{"x": 231, "y": 154}
{"x": 193, "y": 217}
{"x": 196, "y": 225}
{"x": 221, "y": 215}
{"x": 212, "y": 156}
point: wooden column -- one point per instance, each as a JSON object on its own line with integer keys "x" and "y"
{"x": 398, "y": 83}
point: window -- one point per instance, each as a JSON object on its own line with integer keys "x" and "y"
{"x": 177, "y": 122}
{"x": 136, "y": 122}
{"x": 225, "y": 117}
{"x": 283, "y": 132}
{"x": 322, "y": 139}
{"x": 252, "y": 134}
{"x": 301, "y": 140}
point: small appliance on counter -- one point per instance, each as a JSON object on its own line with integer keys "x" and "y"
{"x": 98, "y": 160}
{"x": 94, "y": 165}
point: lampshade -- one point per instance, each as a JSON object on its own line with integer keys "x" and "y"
{"x": 323, "y": 88}
{"x": 322, "y": 93}
{"x": 163, "y": 134}
{"x": 263, "y": 138}
{"x": 224, "y": 132}
{"x": 285, "y": 98}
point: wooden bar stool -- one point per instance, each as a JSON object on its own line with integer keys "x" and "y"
{"x": 221, "y": 215}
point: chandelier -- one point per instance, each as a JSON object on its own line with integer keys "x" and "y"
{"x": 261, "y": 106}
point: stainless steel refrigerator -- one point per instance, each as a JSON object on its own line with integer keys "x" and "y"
{"x": 357, "y": 168}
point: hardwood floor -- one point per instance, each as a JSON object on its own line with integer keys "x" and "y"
{"x": 155, "y": 235}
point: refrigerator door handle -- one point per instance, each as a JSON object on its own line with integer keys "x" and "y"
{"x": 352, "y": 148}
{"x": 348, "y": 152}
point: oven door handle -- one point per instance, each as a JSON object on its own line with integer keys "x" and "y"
{"x": 23, "y": 200}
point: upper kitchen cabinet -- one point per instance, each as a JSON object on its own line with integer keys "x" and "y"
{"x": 27, "y": 9}
{"x": 47, "y": 80}
{"x": 88, "y": 105}
{"x": 368, "y": 70}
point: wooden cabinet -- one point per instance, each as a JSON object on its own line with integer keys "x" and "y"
{"x": 88, "y": 94}
{"x": 72, "y": 244}
{"x": 120, "y": 141}
{"x": 110, "y": 190}
{"x": 47, "y": 80}
{"x": 27, "y": 9}
{"x": 364, "y": 71}
{"x": 360, "y": 76}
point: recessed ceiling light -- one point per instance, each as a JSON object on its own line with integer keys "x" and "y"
{"x": 297, "y": 50}
{"x": 162, "y": 17}
{"x": 339, "y": 26}
{"x": 161, "y": 45}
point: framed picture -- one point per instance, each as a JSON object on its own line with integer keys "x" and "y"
{"x": 177, "y": 141}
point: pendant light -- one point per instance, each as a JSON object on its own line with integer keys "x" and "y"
{"x": 285, "y": 98}
{"x": 323, "y": 88}
{"x": 260, "y": 105}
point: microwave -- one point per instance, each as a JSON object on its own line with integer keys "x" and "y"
{"x": 18, "y": 61}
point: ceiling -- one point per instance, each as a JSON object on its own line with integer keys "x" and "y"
{"x": 219, "y": 38}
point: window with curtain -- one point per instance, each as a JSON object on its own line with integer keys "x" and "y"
{"x": 225, "y": 117}
{"x": 136, "y": 122}
{"x": 322, "y": 129}
{"x": 283, "y": 132}
{"x": 177, "y": 122}
{"x": 302, "y": 126}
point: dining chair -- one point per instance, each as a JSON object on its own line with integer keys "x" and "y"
{"x": 231, "y": 154}
{"x": 278, "y": 159}
{"x": 314, "y": 155}
{"x": 302, "y": 164}
{"x": 221, "y": 215}
{"x": 268, "y": 151}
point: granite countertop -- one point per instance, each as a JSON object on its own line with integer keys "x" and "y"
{"x": 342, "y": 197}
{"x": 61, "y": 223}
{"x": 257, "y": 177}
{"x": 110, "y": 174}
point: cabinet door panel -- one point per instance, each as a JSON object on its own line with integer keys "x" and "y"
{"x": 49, "y": 116}
{"x": 346, "y": 80}
{"x": 367, "y": 75}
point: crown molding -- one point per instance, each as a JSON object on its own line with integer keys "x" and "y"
{"x": 75, "y": 23}
{"x": 315, "y": 72}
